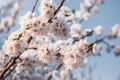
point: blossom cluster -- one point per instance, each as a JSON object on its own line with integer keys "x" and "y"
{"x": 48, "y": 40}
{"x": 61, "y": 40}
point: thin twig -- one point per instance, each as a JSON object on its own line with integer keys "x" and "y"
{"x": 34, "y": 6}
{"x": 56, "y": 68}
{"x": 82, "y": 37}
{"x": 61, "y": 4}
{"x": 88, "y": 10}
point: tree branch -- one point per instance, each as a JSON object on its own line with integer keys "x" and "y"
{"x": 88, "y": 10}
{"x": 11, "y": 63}
{"x": 61, "y": 4}
{"x": 56, "y": 68}
{"x": 34, "y": 6}
{"x": 12, "y": 69}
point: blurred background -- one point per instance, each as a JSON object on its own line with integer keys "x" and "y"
{"x": 106, "y": 66}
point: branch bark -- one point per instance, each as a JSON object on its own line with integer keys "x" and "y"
{"x": 11, "y": 63}
{"x": 61, "y": 4}
{"x": 34, "y": 6}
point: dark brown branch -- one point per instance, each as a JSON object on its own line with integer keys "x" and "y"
{"x": 49, "y": 78}
{"x": 11, "y": 63}
{"x": 11, "y": 70}
{"x": 34, "y": 6}
{"x": 62, "y": 1}
{"x": 7, "y": 67}
{"x": 61, "y": 4}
